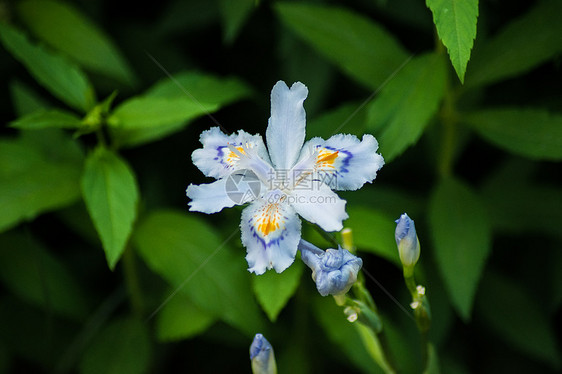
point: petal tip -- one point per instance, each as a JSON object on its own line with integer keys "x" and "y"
{"x": 299, "y": 88}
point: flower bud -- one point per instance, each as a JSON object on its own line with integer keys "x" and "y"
{"x": 407, "y": 241}
{"x": 334, "y": 270}
{"x": 262, "y": 357}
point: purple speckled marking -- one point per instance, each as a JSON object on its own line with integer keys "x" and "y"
{"x": 262, "y": 241}
{"x": 220, "y": 154}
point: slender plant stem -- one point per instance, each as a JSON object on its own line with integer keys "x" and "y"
{"x": 421, "y": 315}
{"x": 449, "y": 133}
{"x": 91, "y": 327}
{"x": 101, "y": 137}
{"x": 411, "y": 284}
{"x": 385, "y": 347}
{"x": 132, "y": 281}
{"x": 449, "y": 121}
{"x": 448, "y": 144}
{"x": 299, "y": 331}
{"x": 328, "y": 237}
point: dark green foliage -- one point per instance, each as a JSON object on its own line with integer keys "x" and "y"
{"x": 104, "y": 270}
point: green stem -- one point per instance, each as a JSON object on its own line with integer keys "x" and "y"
{"x": 448, "y": 121}
{"x": 326, "y": 236}
{"x": 132, "y": 281}
{"x": 411, "y": 284}
{"x": 101, "y": 137}
{"x": 421, "y": 313}
{"x": 385, "y": 347}
{"x": 448, "y": 144}
{"x": 377, "y": 347}
{"x": 299, "y": 331}
{"x": 375, "y": 342}
{"x": 369, "y": 324}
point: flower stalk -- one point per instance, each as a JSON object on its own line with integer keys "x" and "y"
{"x": 342, "y": 274}
{"x": 409, "y": 251}
{"x": 132, "y": 281}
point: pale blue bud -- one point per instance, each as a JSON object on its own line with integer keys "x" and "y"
{"x": 334, "y": 270}
{"x": 262, "y": 357}
{"x": 407, "y": 241}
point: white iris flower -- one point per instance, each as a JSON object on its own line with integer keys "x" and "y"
{"x": 290, "y": 178}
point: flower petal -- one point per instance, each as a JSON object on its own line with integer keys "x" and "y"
{"x": 210, "y": 198}
{"x": 343, "y": 162}
{"x": 271, "y": 231}
{"x": 333, "y": 271}
{"x": 407, "y": 241}
{"x": 216, "y": 159}
{"x": 317, "y": 203}
{"x": 286, "y": 130}
{"x": 262, "y": 356}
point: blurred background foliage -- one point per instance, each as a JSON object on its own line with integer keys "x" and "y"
{"x": 103, "y": 269}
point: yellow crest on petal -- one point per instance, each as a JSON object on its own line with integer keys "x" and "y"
{"x": 326, "y": 158}
{"x": 269, "y": 219}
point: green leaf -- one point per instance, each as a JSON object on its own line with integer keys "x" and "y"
{"x": 555, "y": 264}
{"x": 462, "y": 240}
{"x": 453, "y": 365}
{"x": 36, "y": 177}
{"x": 191, "y": 256}
{"x": 347, "y": 118}
{"x": 373, "y": 345}
{"x": 25, "y": 100}
{"x": 344, "y": 334}
{"x": 111, "y": 194}
{"x": 373, "y": 232}
{"x": 403, "y": 109}
{"x": 187, "y": 17}
{"x": 32, "y": 335}
{"x": 516, "y": 317}
{"x": 4, "y": 359}
{"x": 508, "y": 184}
{"x": 391, "y": 201}
{"x": 121, "y": 347}
{"x": 297, "y": 351}
{"x": 533, "y": 133}
{"x": 33, "y": 274}
{"x": 47, "y": 118}
{"x": 412, "y": 13}
{"x": 273, "y": 290}
{"x": 456, "y": 26}
{"x": 180, "y": 319}
{"x": 55, "y": 73}
{"x": 74, "y": 35}
{"x": 145, "y": 112}
{"x": 442, "y": 315}
{"x": 402, "y": 339}
{"x": 432, "y": 361}
{"x": 522, "y": 45}
{"x": 194, "y": 95}
{"x": 358, "y": 46}
{"x": 234, "y": 14}
{"x": 201, "y": 87}
{"x": 55, "y": 144}
{"x": 307, "y": 65}
{"x": 77, "y": 219}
